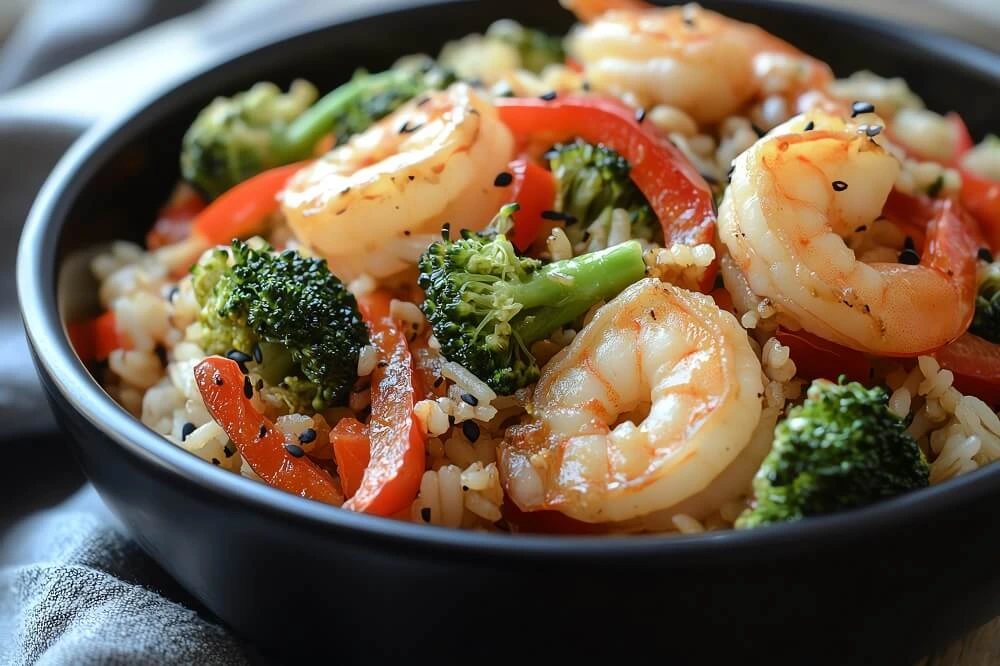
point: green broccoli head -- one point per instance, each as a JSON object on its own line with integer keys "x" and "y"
{"x": 986, "y": 322}
{"x": 304, "y": 320}
{"x": 487, "y": 305}
{"x": 535, "y": 48}
{"x": 234, "y": 138}
{"x": 841, "y": 449}
{"x": 592, "y": 180}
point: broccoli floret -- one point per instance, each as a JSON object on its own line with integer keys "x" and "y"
{"x": 237, "y": 137}
{"x": 487, "y": 305}
{"x": 535, "y": 48}
{"x": 304, "y": 320}
{"x": 593, "y": 180}
{"x": 841, "y": 449}
{"x": 986, "y": 322}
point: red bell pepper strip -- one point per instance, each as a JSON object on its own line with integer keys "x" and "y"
{"x": 816, "y": 358}
{"x": 95, "y": 339}
{"x": 975, "y": 363}
{"x": 174, "y": 222}
{"x": 241, "y": 209}
{"x": 351, "y": 452}
{"x": 392, "y": 478}
{"x": 679, "y": 196}
{"x": 534, "y": 190}
{"x": 261, "y": 444}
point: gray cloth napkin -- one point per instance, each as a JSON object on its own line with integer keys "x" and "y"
{"x": 74, "y": 590}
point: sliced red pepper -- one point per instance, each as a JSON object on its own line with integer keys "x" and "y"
{"x": 975, "y": 363}
{"x": 392, "y": 478}
{"x": 534, "y": 190}
{"x": 261, "y": 444}
{"x": 351, "y": 452}
{"x": 816, "y": 358}
{"x": 981, "y": 197}
{"x": 174, "y": 222}
{"x": 95, "y": 339}
{"x": 679, "y": 196}
{"x": 239, "y": 212}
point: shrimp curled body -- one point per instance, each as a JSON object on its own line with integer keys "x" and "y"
{"x": 794, "y": 198}
{"x": 592, "y": 455}
{"x": 375, "y": 203}
{"x": 695, "y": 60}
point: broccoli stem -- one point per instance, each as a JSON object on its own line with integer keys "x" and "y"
{"x": 566, "y": 289}
{"x": 317, "y": 121}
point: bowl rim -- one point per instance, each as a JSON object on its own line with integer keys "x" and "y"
{"x": 74, "y": 385}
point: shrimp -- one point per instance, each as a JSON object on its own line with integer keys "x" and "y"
{"x": 795, "y": 196}
{"x": 375, "y": 203}
{"x": 667, "y": 359}
{"x": 689, "y": 58}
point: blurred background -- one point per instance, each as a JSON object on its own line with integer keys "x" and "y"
{"x": 86, "y": 57}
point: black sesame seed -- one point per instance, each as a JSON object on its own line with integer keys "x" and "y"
{"x": 412, "y": 177}
{"x": 549, "y": 96}
{"x": 238, "y": 356}
{"x": 839, "y": 186}
{"x": 688, "y": 21}
{"x": 258, "y": 354}
{"x": 503, "y": 179}
{"x": 247, "y": 388}
{"x": 640, "y": 115}
{"x": 307, "y": 435}
{"x": 652, "y": 313}
{"x": 425, "y": 514}
{"x": 407, "y": 128}
{"x": 810, "y": 126}
{"x": 470, "y": 399}
{"x": 217, "y": 379}
{"x": 863, "y": 227}
{"x": 984, "y": 254}
{"x": 294, "y": 450}
{"x": 262, "y": 433}
{"x": 465, "y": 488}
{"x": 861, "y": 107}
{"x": 407, "y": 232}
{"x": 908, "y": 243}
{"x": 216, "y": 462}
{"x": 471, "y": 430}
{"x": 585, "y": 86}
{"x": 934, "y": 188}
{"x": 186, "y": 430}
{"x": 909, "y": 256}
{"x": 552, "y": 215}
{"x": 228, "y": 451}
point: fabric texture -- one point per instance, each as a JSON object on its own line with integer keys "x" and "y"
{"x": 74, "y": 590}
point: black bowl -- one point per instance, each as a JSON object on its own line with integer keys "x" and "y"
{"x": 881, "y": 585}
